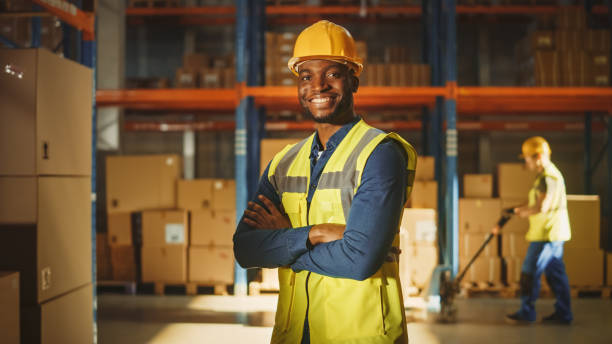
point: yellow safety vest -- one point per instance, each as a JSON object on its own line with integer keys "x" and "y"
{"x": 340, "y": 310}
{"x": 553, "y": 225}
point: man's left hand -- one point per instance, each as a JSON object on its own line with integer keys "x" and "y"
{"x": 262, "y": 218}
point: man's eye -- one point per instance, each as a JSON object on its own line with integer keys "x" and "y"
{"x": 305, "y": 78}
{"x": 334, "y": 75}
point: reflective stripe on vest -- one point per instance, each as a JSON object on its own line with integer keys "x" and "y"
{"x": 341, "y": 310}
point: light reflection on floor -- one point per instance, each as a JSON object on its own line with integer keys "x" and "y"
{"x": 227, "y": 319}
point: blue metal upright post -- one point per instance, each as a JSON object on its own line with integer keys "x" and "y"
{"x": 88, "y": 58}
{"x": 608, "y": 245}
{"x": 242, "y": 35}
{"x": 36, "y": 26}
{"x": 588, "y": 185}
{"x": 450, "y": 109}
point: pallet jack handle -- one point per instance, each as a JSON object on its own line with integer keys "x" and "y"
{"x": 500, "y": 224}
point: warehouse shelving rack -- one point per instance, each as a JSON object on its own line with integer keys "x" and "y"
{"x": 78, "y": 21}
{"x": 443, "y": 101}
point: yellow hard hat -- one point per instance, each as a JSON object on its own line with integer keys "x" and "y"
{"x": 535, "y": 145}
{"x": 325, "y": 40}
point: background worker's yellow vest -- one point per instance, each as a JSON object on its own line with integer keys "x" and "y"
{"x": 553, "y": 225}
{"x": 340, "y": 310}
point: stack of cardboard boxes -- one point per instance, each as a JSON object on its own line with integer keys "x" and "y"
{"x": 418, "y": 230}
{"x": 583, "y": 250}
{"x": 279, "y": 49}
{"x": 184, "y": 231}
{"x": 19, "y": 31}
{"x": 397, "y": 74}
{"x": 45, "y": 193}
{"x": 203, "y": 71}
{"x": 135, "y": 184}
{"x": 212, "y": 207}
{"x": 514, "y": 182}
{"x": 568, "y": 55}
{"x": 478, "y": 213}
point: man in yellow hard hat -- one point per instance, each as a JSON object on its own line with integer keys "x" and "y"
{"x": 328, "y": 209}
{"x": 549, "y": 228}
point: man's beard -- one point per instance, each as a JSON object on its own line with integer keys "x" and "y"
{"x": 343, "y": 109}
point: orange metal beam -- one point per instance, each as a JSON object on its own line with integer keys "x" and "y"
{"x": 470, "y": 100}
{"x": 387, "y": 125}
{"x": 284, "y": 10}
{"x": 69, "y": 13}
{"x": 181, "y": 11}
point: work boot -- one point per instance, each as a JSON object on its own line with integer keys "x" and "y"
{"x": 555, "y": 319}
{"x": 517, "y": 319}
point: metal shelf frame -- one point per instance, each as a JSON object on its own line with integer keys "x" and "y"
{"x": 441, "y": 103}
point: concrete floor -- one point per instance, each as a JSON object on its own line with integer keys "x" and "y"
{"x": 225, "y": 319}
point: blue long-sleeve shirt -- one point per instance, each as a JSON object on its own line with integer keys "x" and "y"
{"x": 370, "y": 228}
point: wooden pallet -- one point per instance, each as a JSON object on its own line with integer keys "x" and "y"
{"x": 123, "y": 287}
{"x": 154, "y": 3}
{"x": 476, "y": 289}
{"x": 591, "y": 291}
{"x": 256, "y": 288}
{"x": 188, "y": 288}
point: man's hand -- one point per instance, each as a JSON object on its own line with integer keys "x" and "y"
{"x": 260, "y": 218}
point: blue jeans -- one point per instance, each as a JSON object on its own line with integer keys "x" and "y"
{"x": 544, "y": 257}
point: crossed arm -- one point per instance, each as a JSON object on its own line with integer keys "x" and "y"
{"x": 264, "y": 237}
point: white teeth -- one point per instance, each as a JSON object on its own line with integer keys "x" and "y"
{"x": 320, "y": 100}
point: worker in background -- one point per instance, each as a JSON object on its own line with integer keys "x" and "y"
{"x": 328, "y": 209}
{"x": 549, "y": 228}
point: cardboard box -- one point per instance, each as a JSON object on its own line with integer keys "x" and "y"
{"x": 123, "y": 263}
{"x": 514, "y": 244}
{"x": 484, "y": 269}
{"x": 513, "y": 269}
{"x": 576, "y": 68}
{"x": 9, "y": 304}
{"x": 417, "y": 264}
{"x": 141, "y": 182}
{"x": 478, "y": 185}
{"x": 41, "y": 93}
{"x": 186, "y": 78}
{"x": 104, "y": 269}
{"x": 269, "y": 279}
{"x": 469, "y": 243}
{"x": 164, "y": 263}
{"x": 425, "y": 168}
{"x": 211, "y": 265}
{"x": 514, "y": 180}
{"x": 66, "y": 319}
{"x": 609, "y": 271}
{"x": 424, "y": 195}
{"x": 224, "y": 194}
{"x": 569, "y": 40}
{"x": 478, "y": 215}
{"x": 597, "y": 41}
{"x": 195, "y": 61}
{"x": 119, "y": 229}
{"x": 584, "y": 266}
{"x": 571, "y": 17}
{"x": 585, "y": 221}
{"x": 516, "y": 224}
{"x": 164, "y": 227}
{"x": 47, "y": 237}
{"x": 418, "y": 227}
{"x": 547, "y": 68}
{"x": 600, "y": 62}
{"x": 211, "y": 78}
{"x": 214, "y": 228}
{"x": 269, "y": 149}
{"x": 195, "y": 194}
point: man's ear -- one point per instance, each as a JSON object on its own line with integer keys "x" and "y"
{"x": 354, "y": 83}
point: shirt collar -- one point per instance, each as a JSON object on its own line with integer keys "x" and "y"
{"x": 336, "y": 138}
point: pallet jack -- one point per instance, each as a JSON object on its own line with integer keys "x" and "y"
{"x": 449, "y": 287}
